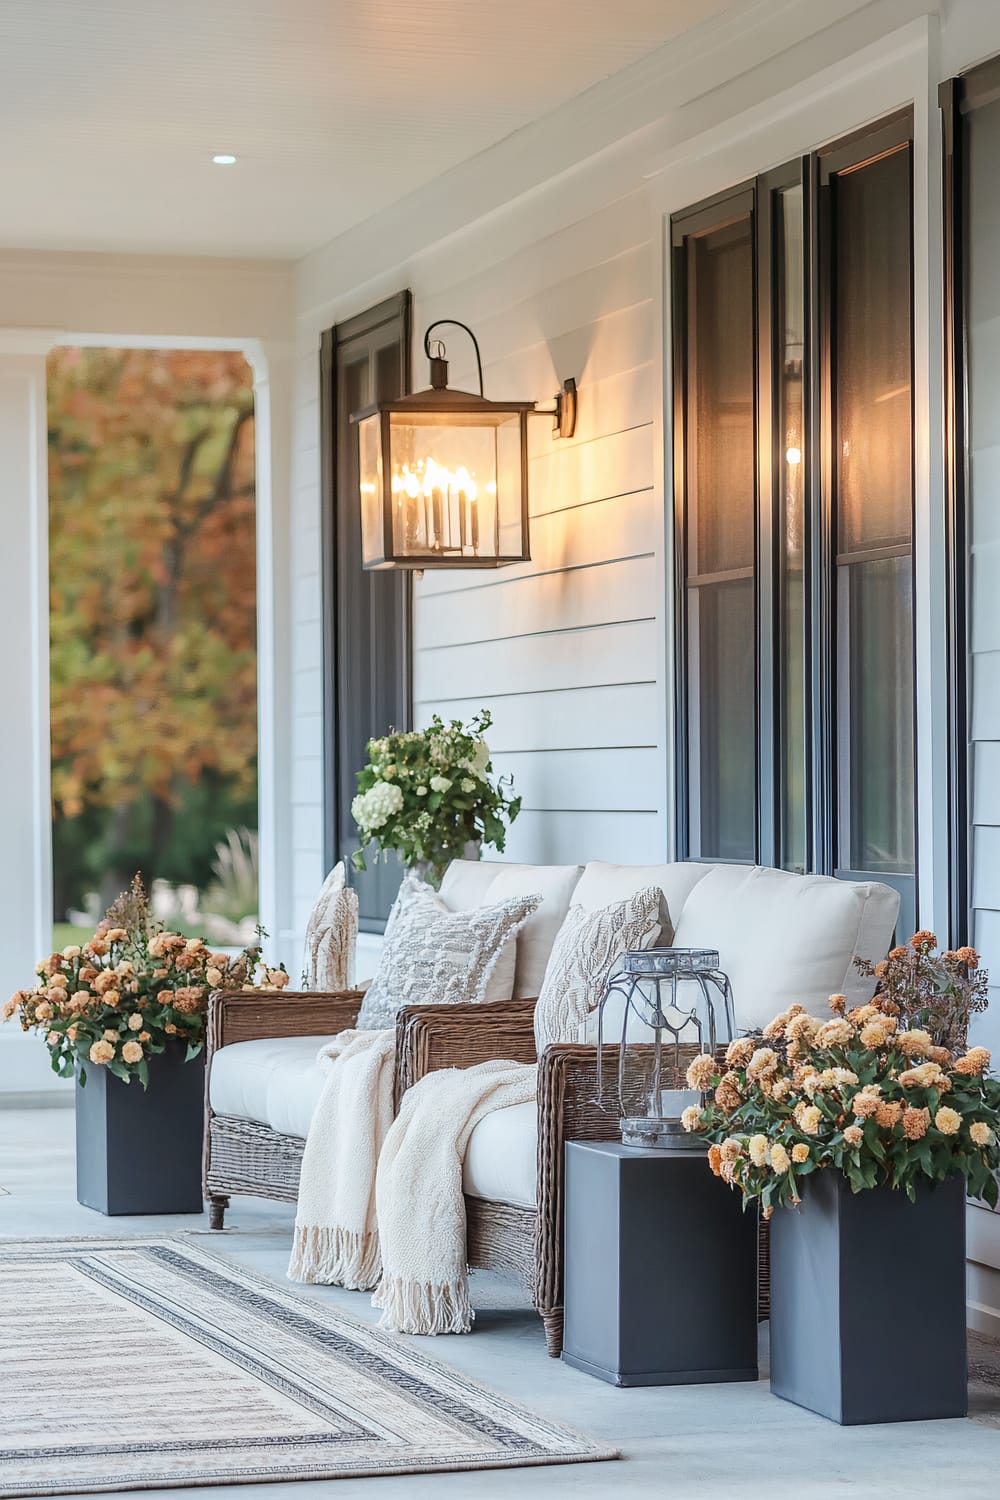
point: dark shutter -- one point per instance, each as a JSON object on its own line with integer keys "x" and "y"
{"x": 366, "y": 616}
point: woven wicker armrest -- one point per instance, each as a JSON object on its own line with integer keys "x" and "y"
{"x": 567, "y": 1111}
{"x": 248, "y": 1015}
{"x": 429, "y": 1037}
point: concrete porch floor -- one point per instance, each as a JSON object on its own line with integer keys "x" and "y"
{"x": 681, "y": 1443}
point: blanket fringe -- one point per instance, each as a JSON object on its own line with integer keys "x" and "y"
{"x": 335, "y": 1257}
{"x": 421, "y": 1307}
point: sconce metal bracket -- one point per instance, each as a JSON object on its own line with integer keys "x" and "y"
{"x": 564, "y": 415}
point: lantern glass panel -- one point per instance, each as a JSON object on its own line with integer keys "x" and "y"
{"x": 370, "y": 467}
{"x": 664, "y": 1006}
{"x": 456, "y": 485}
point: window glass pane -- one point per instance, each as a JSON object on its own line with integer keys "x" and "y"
{"x": 872, "y": 446}
{"x": 723, "y": 715}
{"x": 876, "y": 624}
{"x": 791, "y": 539}
{"x": 872, "y": 354}
{"x": 721, "y": 381}
{"x": 720, "y": 500}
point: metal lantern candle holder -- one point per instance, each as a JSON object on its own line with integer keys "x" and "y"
{"x": 664, "y": 1006}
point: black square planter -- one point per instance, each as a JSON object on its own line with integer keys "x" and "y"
{"x": 660, "y": 1269}
{"x": 868, "y": 1302}
{"x": 139, "y": 1151}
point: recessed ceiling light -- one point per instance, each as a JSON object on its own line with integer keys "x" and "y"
{"x": 223, "y": 159}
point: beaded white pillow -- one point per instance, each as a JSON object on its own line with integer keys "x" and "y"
{"x": 332, "y": 936}
{"x": 588, "y": 949}
{"x": 434, "y": 956}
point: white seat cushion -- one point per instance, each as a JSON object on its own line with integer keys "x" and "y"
{"x": 275, "y": 1081}
{"x": 472, "y": 882}
{"x": 785, "y": 938}
{"x": 500, "y": 1159}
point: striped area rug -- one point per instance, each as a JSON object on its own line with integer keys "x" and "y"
{"x": 146, "y": 1363}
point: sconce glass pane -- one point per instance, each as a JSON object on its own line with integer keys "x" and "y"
{"x": 456, "y": 485}
{"x": 370, "y": 477}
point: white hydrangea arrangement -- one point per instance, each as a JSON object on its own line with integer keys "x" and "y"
{"x": 430, "y": 792}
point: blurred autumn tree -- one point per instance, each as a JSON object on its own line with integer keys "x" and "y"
{"x": 153, "y": 614}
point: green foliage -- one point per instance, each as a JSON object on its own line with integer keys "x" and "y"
{"x": 428, "y": 793}
{"x": 885, "y": 1106}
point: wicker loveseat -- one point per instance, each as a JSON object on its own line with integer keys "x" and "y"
{"x": 780, "y": 936}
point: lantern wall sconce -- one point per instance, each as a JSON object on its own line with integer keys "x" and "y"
{"x": 443, "y": 474}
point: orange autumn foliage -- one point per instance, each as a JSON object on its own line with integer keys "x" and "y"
{"x": 152, "y": 572}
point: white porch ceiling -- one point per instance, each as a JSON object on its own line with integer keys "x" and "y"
{"x": 110, "y": 110}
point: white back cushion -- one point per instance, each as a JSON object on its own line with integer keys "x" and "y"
{"x": 602, "y": 884}
{"x": 469, "y": 882}
{"x": 785, "y": 938}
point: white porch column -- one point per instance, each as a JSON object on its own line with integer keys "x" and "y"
{"x": 25, "y": 821}
{"x": 272, "y": 367}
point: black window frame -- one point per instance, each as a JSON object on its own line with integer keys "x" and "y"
{"x": 815, "y": 173}
{"x": 709, "y": 215}
{"x": 366, "y": 614}
{"x": 888, "y": 136}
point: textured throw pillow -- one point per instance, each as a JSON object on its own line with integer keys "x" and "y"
{"x": 332, "y": 936}
{"x": 433, "y": 956}
{"x": 587, "y": 951}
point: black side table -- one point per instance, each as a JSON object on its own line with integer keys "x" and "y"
{"x": 660, "y": 1269}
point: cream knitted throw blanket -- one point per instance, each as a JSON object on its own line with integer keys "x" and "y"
{"x": 336, "y": 1236}
{"x": 421, "y": 1210}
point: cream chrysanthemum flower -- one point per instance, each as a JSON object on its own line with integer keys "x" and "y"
{"x": 926, "y": 1076}
{"x": 877, "y": 1032}
{"x": 780, "y": 1160}
{"x": 914, "y": 1043}
{"x": 802, "y": 1028}
{"x": 864, "y": 1105}
{"x": 739, "y": 1052}
{"x": 763, "y": 1063}
{"x": 836, "y": 1033}
{"x": 691, "y": 1117}
{"x": 916, "y": 1123}
{"x": 701, "y": 1072}
{"x": 101, "y": 1052}
{"x": 948, "y": 1121}
{"x": 980, "y": 1132}
{"x": 976, "y": 1060}
{"x": 809, "y": 1118}
{"x": 135, "y": 1021}
{"x": 854, "y": 1135}
{"x": 888, "y": 1113}
{"x": 800, "y": 1152}
{"x": 757, "y": 1146}
{"x": 132, "y": 1052}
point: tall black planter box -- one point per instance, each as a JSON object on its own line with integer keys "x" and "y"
{"x": 660, "y": 1269}
{"x": 139, "y": 1151}
{"x": 868, "y": 1302}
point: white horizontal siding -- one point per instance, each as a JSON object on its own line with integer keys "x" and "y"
{"x": 597, "y": 594}
{"x": 564, "y": 838}
{"x": 565, "y": 719}
{"x": 564, "y": 650}
{"x": 569, "y": 780}
{"x": 569, "y": 658}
